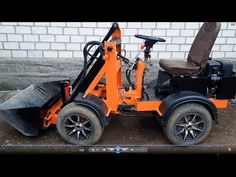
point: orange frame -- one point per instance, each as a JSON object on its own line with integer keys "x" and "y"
{"x": 112, "y": 93}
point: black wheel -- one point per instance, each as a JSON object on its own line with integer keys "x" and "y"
{"x": 79, "y": 125}
{"x": 188, "y": 124}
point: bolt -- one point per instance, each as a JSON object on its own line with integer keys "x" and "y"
{"x": 109, "y": 48}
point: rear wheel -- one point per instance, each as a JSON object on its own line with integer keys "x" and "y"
{"x": 79, "y": 125}
{"x": 188, "y": 124}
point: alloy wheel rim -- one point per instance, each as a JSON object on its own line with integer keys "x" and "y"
{"x": 78, "y": 127}
{"x": 190, "y": 127}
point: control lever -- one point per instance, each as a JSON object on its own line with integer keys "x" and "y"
{"x": 140, "y": 51}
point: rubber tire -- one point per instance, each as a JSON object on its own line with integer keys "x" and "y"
{"x": 178, "y": 113}
{"x": 73, "y": 108}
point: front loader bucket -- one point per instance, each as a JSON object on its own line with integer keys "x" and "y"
{"x": 22, "y": 111}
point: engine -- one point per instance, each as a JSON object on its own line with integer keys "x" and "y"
{"x": 217, "y": 80}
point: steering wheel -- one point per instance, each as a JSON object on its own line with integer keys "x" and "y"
{"x": 149, "y": 42}
{"x": 150, "y": 38}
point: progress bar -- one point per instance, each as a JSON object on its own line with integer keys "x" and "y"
{"x": 117, "y": 149}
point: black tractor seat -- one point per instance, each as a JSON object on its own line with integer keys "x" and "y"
{"x": 179, "y": 67}
{"x": 198, "y": 54}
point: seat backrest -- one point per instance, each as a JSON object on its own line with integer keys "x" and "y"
{"x": 202, "y": 45}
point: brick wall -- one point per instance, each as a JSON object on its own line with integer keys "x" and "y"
{"x": 67, "y": 39}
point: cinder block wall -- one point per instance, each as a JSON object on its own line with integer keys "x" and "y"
{"x": 66, "y": 39}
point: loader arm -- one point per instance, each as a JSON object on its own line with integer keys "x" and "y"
{"x": 81, "y": 84}
{"x": 38, "y": 105}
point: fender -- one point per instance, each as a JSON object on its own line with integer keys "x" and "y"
{"x": 96, "y": 104}
{"x": 174, "y": 100}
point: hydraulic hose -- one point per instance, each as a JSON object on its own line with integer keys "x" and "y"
{"x": 108, "y": 35}
{"x": 86, "y": 53}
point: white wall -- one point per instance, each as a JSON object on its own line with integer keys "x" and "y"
{"x": 66, "y": 39}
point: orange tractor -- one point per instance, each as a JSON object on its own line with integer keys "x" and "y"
{"x": 184, "y": 96}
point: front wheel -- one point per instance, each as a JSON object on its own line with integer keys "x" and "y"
{"x": 79, "y": 125}
{"x": 188, "y": 124}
